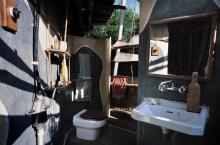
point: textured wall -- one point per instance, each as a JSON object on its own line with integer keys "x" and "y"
{"x": 16, "y": 77}
{"x": 99, "y": 51}
{"x": 102, "y": 48}
{"x": 148, "y": 86}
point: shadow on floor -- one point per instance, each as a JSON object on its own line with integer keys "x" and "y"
{"x": 122, "y": 120}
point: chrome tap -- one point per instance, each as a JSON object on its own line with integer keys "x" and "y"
{"x": 169, "y": 85}
{"x": 182, "y": 89}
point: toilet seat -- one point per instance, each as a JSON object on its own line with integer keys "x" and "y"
{"x": 93, "y": 115}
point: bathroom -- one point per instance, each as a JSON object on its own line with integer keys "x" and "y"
{"x": 87, "y": 76}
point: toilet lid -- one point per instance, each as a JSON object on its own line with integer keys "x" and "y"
{"x": 93, "y": 115}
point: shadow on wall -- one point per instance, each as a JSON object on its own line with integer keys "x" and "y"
{"x": 9, "y": 79}
{"x": 11, "y": 56}
{"x": 17, "y": 124}
{"x": 4, "y": 124}
{"x": 15, "y": 127}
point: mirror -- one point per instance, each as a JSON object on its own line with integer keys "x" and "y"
{"x": 180, "y": 46}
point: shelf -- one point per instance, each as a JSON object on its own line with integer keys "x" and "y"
{"x": 51, "y": 89}
{"x": 50, "y": 52}
{"x": 59, "y": 88}
{"x": 57, "y": 51}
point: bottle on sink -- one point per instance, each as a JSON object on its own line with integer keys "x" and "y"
{"x": 193, "y": 94}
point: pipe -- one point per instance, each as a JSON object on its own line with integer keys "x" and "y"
{"x": 35, "y": 50}
{"x": 40, "y": 136}
{"x": 66, "y": 135}
{"x": 37, "y": 115}
{"x": 35, "y": 38}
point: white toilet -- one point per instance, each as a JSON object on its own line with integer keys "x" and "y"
{"x": 88, "y": 124}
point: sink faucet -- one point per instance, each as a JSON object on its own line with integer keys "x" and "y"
{"x": 169, "y": 85}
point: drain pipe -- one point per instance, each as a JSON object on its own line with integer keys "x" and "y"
{"x": 40, "y": 136}
{"x": 38, "y": 112}
{"x": 39, "y": 118}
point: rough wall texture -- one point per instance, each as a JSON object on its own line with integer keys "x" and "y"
{"x": 102, "y": 48}
{"x": 148, "y": 86}
{"x": 16, "y": 77}
{"x": 99, "y": 51}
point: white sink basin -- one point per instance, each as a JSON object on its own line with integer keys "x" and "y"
{"x": 171, "y": 115}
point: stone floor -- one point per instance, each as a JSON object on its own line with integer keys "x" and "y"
{"x": 120, "y": 129}
{"x": 110, "y": 135}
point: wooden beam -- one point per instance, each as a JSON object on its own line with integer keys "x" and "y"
{"x": 125, "y": 57}
{"x": 189, "y": 17}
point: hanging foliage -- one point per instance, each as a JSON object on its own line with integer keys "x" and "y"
{"x": 110, "y": 29}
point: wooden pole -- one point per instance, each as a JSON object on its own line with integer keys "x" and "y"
{"x": 122, "y": 16}
{"x": 69, "y": 70}
{"x": 50, "y": 69}
{"x": 64, "y": 71}
{"x": 66, "y": 23}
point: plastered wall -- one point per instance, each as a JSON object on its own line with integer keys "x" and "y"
{"x": 16, "y": 79}
{"x": 102, "y": 48}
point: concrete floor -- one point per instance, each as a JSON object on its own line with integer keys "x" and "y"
{"x": 110, "y": 135}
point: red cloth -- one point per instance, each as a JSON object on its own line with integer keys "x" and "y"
{"x": 119, "y": 85}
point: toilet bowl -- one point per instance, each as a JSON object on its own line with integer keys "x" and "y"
{"x": 89, "y": 128}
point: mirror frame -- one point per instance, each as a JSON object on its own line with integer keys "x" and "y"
{"x": 212, "y": 41}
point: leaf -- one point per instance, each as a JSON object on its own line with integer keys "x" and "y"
{"x": 111, "y": 28}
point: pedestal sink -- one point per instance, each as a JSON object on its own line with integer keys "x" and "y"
{"x": 171, "y": 115}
